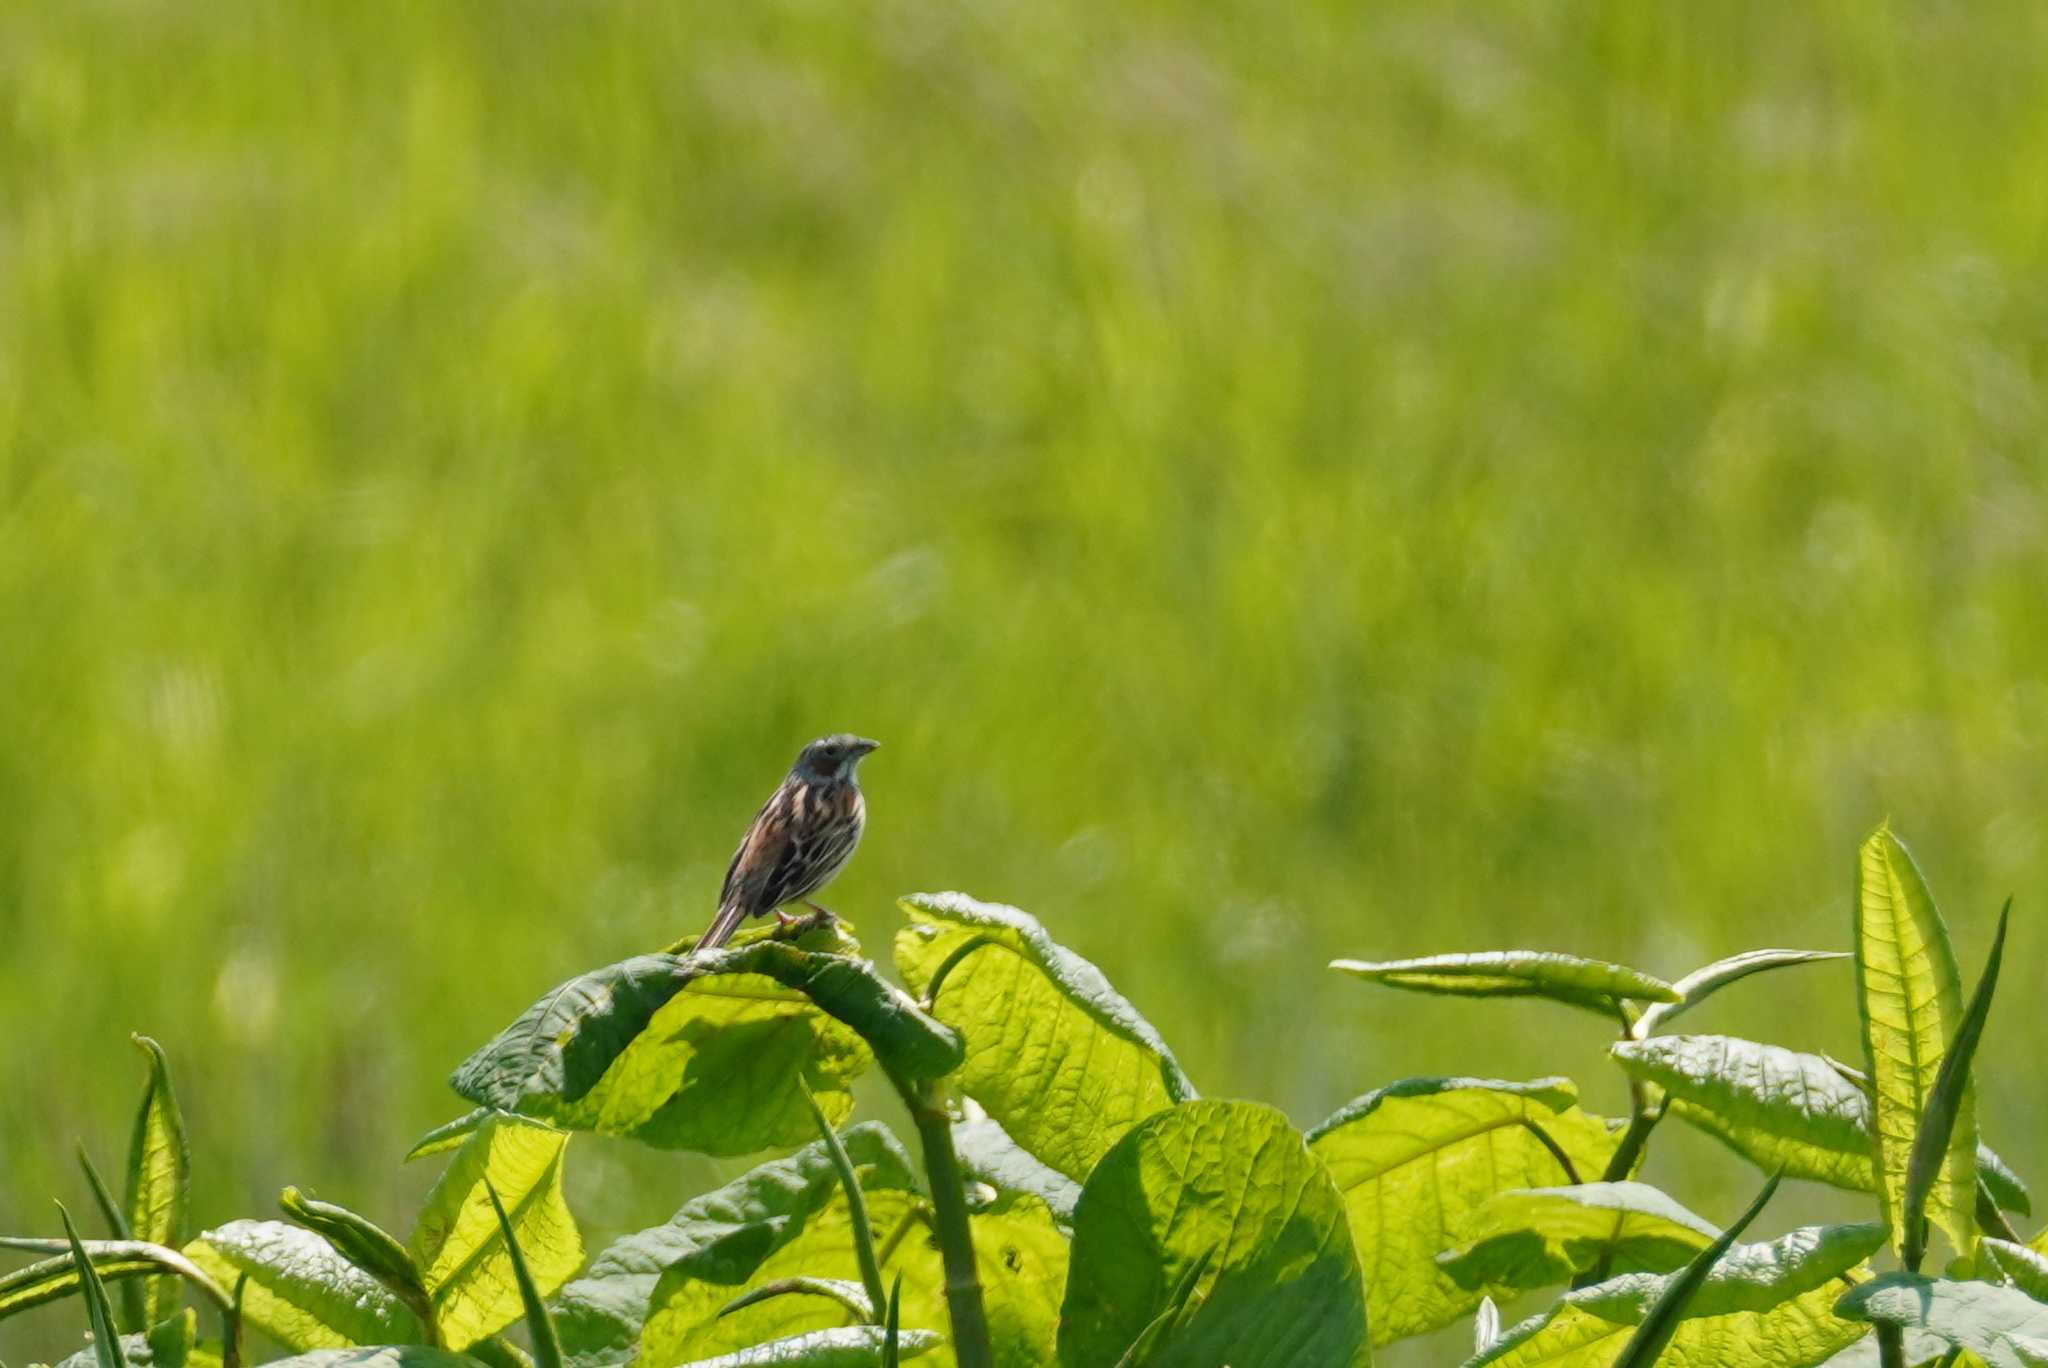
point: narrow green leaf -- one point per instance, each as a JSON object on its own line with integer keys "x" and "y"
{"x": 2000, "y": 1325}
{"x": 540, "y": 1328}
{"x": 1534, "y": 1238}
{"x": 1762, "y": 1306}
{"x": 301, "y": 1292}
{"x": 1660, "y": 1323}
{"x": 1594, "y": 985}
{"x": 159, "y": 1175}
{"x": 106, "y": 1339}
{"x": 465, "y": 1259}
{"x": 850, "y": 1295}
{"x": 892, "y": 1328}
{"x": 1056, "y": 1055}
{"x": 721, "y": 1237}
{"x": 989, "y": 1155}
{"x": 448, "y": 1135}
{"x": 115, "y": 1260}
{"x": 133, "y": 1312}
{"x": 1945, "y": 1101}
{"x": 704, "y": 1052}
{"x": 1911, "y": 1002}
{"x": 167, "y": 1344}
{"x": 2025, "y": 1268}
{"x": 863, "y": 1235}
{"x": 1416, "y": 1159}
{"x": 1703, "y": 983}
{"x": 366, "y": 1245}
{"x": 1232, "y": 1181}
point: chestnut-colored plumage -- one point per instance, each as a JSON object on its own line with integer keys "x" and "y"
{"x": 802, "y": 836}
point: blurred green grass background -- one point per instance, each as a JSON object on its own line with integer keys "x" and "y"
{"x": 1282, "y": 481}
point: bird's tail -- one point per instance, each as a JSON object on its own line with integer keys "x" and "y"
{"x": 722, "y": 926}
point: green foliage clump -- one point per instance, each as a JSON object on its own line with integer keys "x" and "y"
{"x": 1077, "y": 1203}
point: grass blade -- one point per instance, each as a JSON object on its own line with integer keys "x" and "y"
{"x": 540, "y": 1327}
{"x": 892, "y": 1348}
{"x": 117, "y": 1228}
{"x": 1661, "y": 1321}
{"x": 1945, "y": 1100}
{"x": 106, "y": 1340}
{"x": 863, "y": 1233}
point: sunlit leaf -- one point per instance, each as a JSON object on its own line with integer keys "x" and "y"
{"x": 721, "y": 1237}
{"x": 378, "y": 1356}
{"x": 2000, "y": 1325}
{"x": 1054, "y": 1053}
{"x": 2027, "y": 1269}
{"x": 1233, "y": 1183}
{"x": 1947, "y": 1101}
{"x": 159, "y": 1176}
{"x": 458, "y": 1245}
{"x": 1594, "y": 985}
{"x": 852, "y": 1346}
{"x": 1703, "y": 983}
{"x": 363, "y": 1243}
{"x": 1540, "y": 1237}
{"x": 705, "y": 1052}
{"x": 1761, "y": 1306}
{"x": 301, "y": 1292}
{"x": 1022, "y": 1261}
{"x": 1911, "y": 1001}
{"x": 1417, "y": 1158}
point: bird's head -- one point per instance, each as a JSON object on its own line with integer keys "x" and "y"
{"x": 832, "y": 758}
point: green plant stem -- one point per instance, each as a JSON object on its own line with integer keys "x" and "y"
{"x": 971, "y": 1344}
{"x": 1641, "y": 1121}
{"x": 1891, "y": 1346}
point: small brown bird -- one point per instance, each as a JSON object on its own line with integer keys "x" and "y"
{"x": 802, "y": 836}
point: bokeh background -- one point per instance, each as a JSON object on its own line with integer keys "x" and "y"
{"x": 1284, "y": 481}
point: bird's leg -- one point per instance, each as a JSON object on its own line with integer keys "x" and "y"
{"x": 783, "y": 921}
{"x": 825, "y": 913}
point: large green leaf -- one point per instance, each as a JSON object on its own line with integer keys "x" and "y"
{"x": 1781, "y": 1109}
{"x": 301, "y": 1292}
{"x": 1417, "y": 1158}
{"x": 852, "y": 1346}
{"x": 1232, "y": 1184}
{"x": 705, "y": 1052}
{"x": 1762, "y": 1305}
{"x": 2000, "y": 1325}
{"x": 1543, "y": 1236}
{"x": 378, "y": 1356}
{"x": 459, "y": 1246}
{"x": 159, "y": 1181}
{"x": 1911, "y": 1001}
{"x": 720, "y": 1237}
{"x": 1054, "y": 1053}
{"x": 2023, "y": 1267}
{"x": 1776, "y": 1107}
{"x": 1594, "y": 985}
{"x": 989, "y": 1155}
{"x": 1022, "y": 1261}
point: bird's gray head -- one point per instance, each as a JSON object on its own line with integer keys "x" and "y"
{"x": 831, "y": 758}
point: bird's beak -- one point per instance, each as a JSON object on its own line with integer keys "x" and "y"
{"x": 866, "y": 745}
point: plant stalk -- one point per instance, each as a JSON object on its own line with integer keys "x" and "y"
{"x": 971, "y": 1343}
{"x": 1891, "y": 1346}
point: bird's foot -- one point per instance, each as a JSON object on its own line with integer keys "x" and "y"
{"x": 789, "y": 928}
